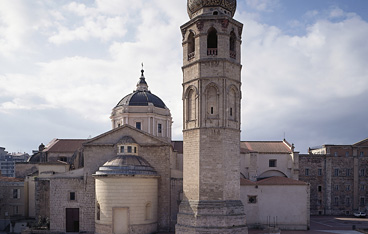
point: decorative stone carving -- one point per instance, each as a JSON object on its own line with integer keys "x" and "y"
{"x": 200, "y": 25}
{"x": 225, "y": 23}
{"x": 195, "y": 5}
{"x": 183, "y": 32}
{"x": 240, "y": 31}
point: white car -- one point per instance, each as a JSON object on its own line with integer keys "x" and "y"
{"x": 360, "y": 214}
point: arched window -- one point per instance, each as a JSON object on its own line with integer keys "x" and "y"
{"x": 212, "y": 42}
{"x": 232, "y": 104}
{"x": 232, "y": 45}
{"x": 212, "y": 103}
{"x": 191, "y": 46}
{"x": 148, "y": 211}
{"x": 98, "y": 211}
{"x": 191, "y": 105}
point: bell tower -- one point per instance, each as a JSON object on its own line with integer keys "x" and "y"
{"x": 211, "y": 121}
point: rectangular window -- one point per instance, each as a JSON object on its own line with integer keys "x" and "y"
{"x": 361, "y": 154}
{"x": 72, "y": 196}
{"x": 362, "y": 187}
{"x": 16, "y": 194}
{"x": 348, "y": 172}
{"x": 336, "y": 172}
{"x": 15, "y": 210}
{"x": 135, "y": 150}
{"x": 336, "y": 187}
{"x": 362, "y": 172}
{"x": 159, "y": 128}
{"x": 129, "y": 149}
{"x": 347, "y": 201}
{"x": 362, "y": 201}
{"x": 272, "y": 163}
{"x": 138, "y": 125}
{"x": 347, "y": 187}
{"x": 319, "y": 171}
{"x": 347, "y": 154}
{"x": 335, "y": 154}
{"x": 63, "y": 159}
{"x": 252, "y": 199}
{"x": 306, "y": 171}
{"x": 336, "y": 201}
{"x": 121, "y": 149}
{"x": 231, "y": 111}
{"x": 319, "y": 188}
{"x": 319, "y": 202}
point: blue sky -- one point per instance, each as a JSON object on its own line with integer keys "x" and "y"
{"x": 66, "y": 64}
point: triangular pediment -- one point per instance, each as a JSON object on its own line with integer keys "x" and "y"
{"x": 114, "y": 136}
{"x": 362, "y": 143}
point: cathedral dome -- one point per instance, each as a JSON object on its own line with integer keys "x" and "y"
{"x": 142, "y": 96}
{"x": 127, "y": 165}
{"x": 196, "y": 5}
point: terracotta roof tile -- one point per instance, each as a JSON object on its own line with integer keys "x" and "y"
{"x": 277, "y": 180}
{"x": 10, "y": 179}
{"x": 246, "y": 182}
{"x": 264, "y": 147}
{"x": 65, "y": 145}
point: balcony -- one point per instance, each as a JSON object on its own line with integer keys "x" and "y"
{"x": 191, "y": 55}
{"x": 212, "y": 51}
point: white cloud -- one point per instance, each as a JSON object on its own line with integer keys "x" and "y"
{"x": 263, "y": 5}
{"x": 292, "y": 84}
{"x": 308, "y": 75}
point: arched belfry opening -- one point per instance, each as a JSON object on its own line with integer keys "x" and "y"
{"x": 212, "y": 42}
{"x": 191, "y": 46}
{"x": 191, "y": 105}
{"x": 232, "y": 45}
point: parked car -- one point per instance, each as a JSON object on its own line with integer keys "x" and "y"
{"x": 360, "y": 214}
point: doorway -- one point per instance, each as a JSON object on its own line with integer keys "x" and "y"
{"x": 120, "y": 220}
{"x": 72, "y": 219}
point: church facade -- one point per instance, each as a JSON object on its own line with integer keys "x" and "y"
{"x": 135, "y": 179}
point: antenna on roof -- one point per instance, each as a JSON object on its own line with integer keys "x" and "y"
{"x": 284, "y": 135}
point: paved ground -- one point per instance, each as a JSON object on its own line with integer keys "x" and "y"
{"x": 326, "y": 225}
{"x": 329, "y": 225}
{"x": 323, "y": 225}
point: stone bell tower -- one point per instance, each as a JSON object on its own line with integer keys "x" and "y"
{"x": 211, "y": 128}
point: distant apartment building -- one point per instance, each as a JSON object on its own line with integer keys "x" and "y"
{"x": 12, "y": 200}
{"x": 7, "y": 162}
{"x": 338, "y": 175}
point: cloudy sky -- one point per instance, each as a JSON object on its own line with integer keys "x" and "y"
{"x": 65, "y": 64}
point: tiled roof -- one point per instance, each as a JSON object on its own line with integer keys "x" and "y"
{"x": 10, "y": 179}
{"x": 362, "y": 143}
{"x": 275, "y": 180}
{"x": 178, "y": 146}
{"x": 265, "y": 147}
{"x": 246, "y": 182}
{"x": 65, "y": 145}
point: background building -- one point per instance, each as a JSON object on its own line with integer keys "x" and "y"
{"x": 338, "y": 175}
{"x": 7, "y": 162}
{"x": 269, "y": 171}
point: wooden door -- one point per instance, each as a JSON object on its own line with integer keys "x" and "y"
{"x": 72, "y": 219}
